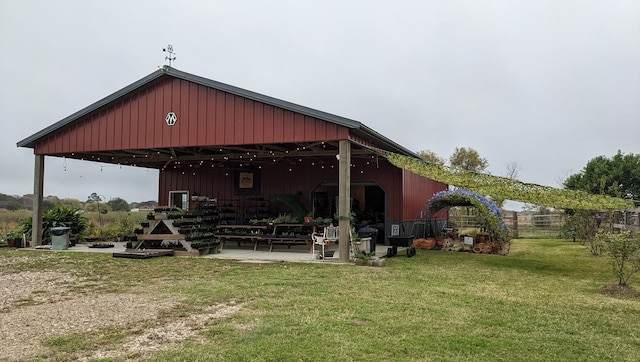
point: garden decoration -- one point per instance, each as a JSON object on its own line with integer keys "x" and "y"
{"x": 502, "y": 188}
{"x": 488, "y": 211}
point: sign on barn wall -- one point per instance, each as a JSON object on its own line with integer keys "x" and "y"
{"x": 171, "y": 118}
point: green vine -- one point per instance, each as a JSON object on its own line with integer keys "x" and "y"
{"x": 502, "y": 188}
{"x": 488, "y": 211}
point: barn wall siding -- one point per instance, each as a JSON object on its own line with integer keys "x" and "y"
{"x": 210, "y": 117}
{"x": 289, "y": 178}
{"x": 205, "y": 117}
{"x": 417, "y": 191}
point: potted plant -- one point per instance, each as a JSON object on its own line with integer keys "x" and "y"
{"x": 322, "y": 220}
{"x": 14, "y": 239}
{"x": 362, "y": 258}
{"x": 308, "y": 218}
{"x": 285, "y": 219}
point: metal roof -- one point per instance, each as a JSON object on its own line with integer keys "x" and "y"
{"x": 165, "y": 71}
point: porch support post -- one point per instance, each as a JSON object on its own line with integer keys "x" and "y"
{"x": 344, "y": 197}
{"x": 38, "y": 191}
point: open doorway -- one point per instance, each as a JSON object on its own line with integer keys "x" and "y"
{"x": 368, "y": 203}
{"x": 179, "y": 199}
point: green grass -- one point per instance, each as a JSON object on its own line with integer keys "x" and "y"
{"x": 540, "y": 303}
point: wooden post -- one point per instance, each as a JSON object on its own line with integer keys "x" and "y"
{"x": 344, "y": 197}
{"x": 515, "y": 225}
{"x": 38, "y": 190}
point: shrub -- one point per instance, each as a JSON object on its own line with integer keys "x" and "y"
{"x": 581, "y": 225}
{"x": 624, "y": 253}
{"x": 58, "y": 216}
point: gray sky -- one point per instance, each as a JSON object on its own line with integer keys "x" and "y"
{"x": 547, "y": 84}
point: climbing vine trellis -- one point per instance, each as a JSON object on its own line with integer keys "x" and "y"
{"x": 502, "y": 188}
{"x": 488, "y": 211}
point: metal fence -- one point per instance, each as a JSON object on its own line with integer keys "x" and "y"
{"x": 522, "y": 225}
{"x": 529, "y": 225}
{"x": 535, "y": 226}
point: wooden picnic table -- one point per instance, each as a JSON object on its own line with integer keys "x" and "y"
{"x": 241, "y": 233}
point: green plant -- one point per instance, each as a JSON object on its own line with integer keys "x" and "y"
{"x": 124, "y": 226}
{"x": 176, "y": 214}
{"x": 488, "y": 211}
{"x": 502, "y": 188}
{"x": 580, "y": 225}
{"x": 351, "y": 217}
{"x": 358, "y": 254}
{"x": 13, "y": 234}
{"x": 265, "y": 221}
{"x": 624, "y": 254}
{"x": 58, "y": 216}
{"x": 323, "y": 220}
{"x": 285, "y": 219}
{"x": 166, "y": 209}
{"x": 618, "y": 176}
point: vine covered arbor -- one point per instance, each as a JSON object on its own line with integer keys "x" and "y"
{"x": 483, "y": 192}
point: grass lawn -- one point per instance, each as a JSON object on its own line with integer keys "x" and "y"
{"x": 540, "y": 303}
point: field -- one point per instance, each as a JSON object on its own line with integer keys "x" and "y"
{"x": 10, "y": 220}
{"x": 540, "y": 303}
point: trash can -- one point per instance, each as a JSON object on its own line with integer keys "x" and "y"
{"x": 60, "y": 238}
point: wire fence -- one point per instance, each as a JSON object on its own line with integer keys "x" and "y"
{"x": 529, "y": 225}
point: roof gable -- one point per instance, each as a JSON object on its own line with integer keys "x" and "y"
{"x": 165, "y": 73}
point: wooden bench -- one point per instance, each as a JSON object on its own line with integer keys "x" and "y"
{"x": 288, "y": 241}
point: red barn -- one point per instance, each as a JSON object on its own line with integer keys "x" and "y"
{"x": 254, "y": 152}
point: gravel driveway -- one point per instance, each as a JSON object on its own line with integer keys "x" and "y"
{"x": 39, "y": 305}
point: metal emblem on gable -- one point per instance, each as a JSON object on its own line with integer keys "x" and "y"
{"x": 171, "y": 118}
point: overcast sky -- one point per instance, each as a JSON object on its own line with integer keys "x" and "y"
{"x": 547, "y": 84}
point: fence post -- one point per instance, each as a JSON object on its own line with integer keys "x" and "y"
{"x": 515, "y": 224}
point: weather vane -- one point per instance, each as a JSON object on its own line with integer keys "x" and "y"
{"x": 171, "y": 56}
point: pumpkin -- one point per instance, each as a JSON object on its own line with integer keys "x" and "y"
{"x": 429, "y": 243}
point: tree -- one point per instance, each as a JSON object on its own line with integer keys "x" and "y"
{"x": 94, "y": 207}
{"x": 94, "y": 198}
{"x": 511, "y": 172}
{"x": 9, "y": 202}
{"x": 94, "y": 201}
{"x": 618, "y": 176}
{"x": 468, "y": 159}
{"x": 72, "y": 202}
{"x": 118, "y": 204}
{"x": 512, "y": 169}
{"x": 431, "y": 156}
{"x": 149, "y": 203}
{"x": 582, "y": 226}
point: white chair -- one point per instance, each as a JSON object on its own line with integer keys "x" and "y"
{"x": 319, "y": 240}
{"x": 330, "y": 233}
{"x": 328, "y": 237}
{"x": 358, "y": 244}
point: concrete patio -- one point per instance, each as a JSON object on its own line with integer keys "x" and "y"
{"x": 296, "y": 253}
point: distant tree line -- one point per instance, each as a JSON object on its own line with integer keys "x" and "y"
{"x": 25, "y": 202}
